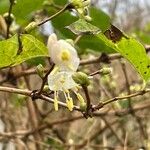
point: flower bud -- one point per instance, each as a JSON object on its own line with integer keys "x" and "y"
{"x": 83, "y": 106}
{"x": 48, "y": 2}
{"x": 81, "y": 78}
{"x": 105, "y": 71}
{"x": 46, "y": 88}
{"x": 40, "y": 70}
{"x": 30, "y": 26}
{"x": 7, "y": 19}
{"x": 76, "y": 3}
{"x": 80, "y": 3}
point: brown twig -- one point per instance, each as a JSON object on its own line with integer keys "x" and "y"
{"x": 113, "y": 131}
{"x": 88, "y": 101}
{"x": 9, "y": 18}
{"x": 99, "y": 59}
{"x": 55, "y": 15}
{"x": 48, "y": 99}
{"x": 32, "y": 113}
{"x": 102, "y": 104}
{"x": 45, "y": 78}
{"x": 142, "y": 130}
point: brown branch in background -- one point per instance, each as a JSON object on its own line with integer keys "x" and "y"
{"x": 48, "y": 99}
{"x": 127, "y": 84}
{"x": 100, "y": 59}
{"x": 102, "y": 104}
{"x": 112, "y": 130}
{"x": 33, "y": 114}
{"x": 118, "y": 113}
{"x": 111, "y": 57}
{"x": 139, "y": 121}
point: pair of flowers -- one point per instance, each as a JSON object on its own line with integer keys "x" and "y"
{"x": 66, "y": 60}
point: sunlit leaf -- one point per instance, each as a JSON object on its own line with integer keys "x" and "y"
{"x": 31, "y": 48}
{"x": 83, "y": 27}
{"x": 133, "y": 51}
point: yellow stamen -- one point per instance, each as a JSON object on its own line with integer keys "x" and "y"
{"x": 69, "y": 102}
{"x": 62, "y": 79}
{"x": 55, "y": 101}
{"x": 80, "y": 98}
{"x": 54, "y": 70}
{"x": 65, "y": 55}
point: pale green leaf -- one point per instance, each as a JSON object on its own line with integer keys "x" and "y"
{"x": 133, "y": 51}
{"x": 31, "y": 48}
{"x": 83, "y": 27}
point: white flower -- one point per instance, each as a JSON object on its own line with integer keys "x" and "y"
{"x": 66, "y": 60}
{"x": 63, "y": 54}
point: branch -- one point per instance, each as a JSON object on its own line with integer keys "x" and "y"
{"x": 110, "y": 58}
{"x": 29, "y": 93}
{"x": 88, "y": 101}
{"x": 45, "y": 78}
{"x": 139, "y": 121}
{"x": 9, "y": 18}
{"x": 55, "y": 15}
{"x": 102, "y": 104}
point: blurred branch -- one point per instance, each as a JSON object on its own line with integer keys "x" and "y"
{"x": 117, "y": 113}
{"x": 141, "y": 128}
{"x": 88, "y": 102}
{"x": 139, "y": 93}
{"x": 29, "y": 93}
{"x": 55, "y": 15}
{"x": 33, "y": 113}
{"x": 9, "y": 20}
{"x": 50, "y": 100}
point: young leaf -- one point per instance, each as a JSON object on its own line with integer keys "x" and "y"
{"x": 31, "y": 48}
{"x": 133, "y": 51}
{"x": 83, "y": 27}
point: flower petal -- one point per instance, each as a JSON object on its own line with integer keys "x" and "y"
{"x": 61, "y": 81}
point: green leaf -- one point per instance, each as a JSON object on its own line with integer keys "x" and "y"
{"x": 31, "y": 48}
{"x": 99, "y": 18}
{"x": 62, "y": 2}
{"x": 83, "y": 27}
{"x": 94, "y": 43}
{"x": 133, "y": 51}
{"x": 136, "y": 54}
{"x": 22, "y": 9}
